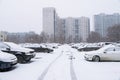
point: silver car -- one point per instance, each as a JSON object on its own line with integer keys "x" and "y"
{"x": 109, "y": 52}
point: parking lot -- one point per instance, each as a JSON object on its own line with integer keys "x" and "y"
{"x": 64, "y": 63}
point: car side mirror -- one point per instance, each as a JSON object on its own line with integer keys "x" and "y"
{"x": 105, "y": 52}
{"x": 8, "y": 49}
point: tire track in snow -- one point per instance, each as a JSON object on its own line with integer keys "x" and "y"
{"x": 46, "y": 70}
{"x": 72, "y": 72}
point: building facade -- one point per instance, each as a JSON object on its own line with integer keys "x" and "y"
{"x": 3, "y": 36}
{"x": 84, "y": 28}
{"x": 103, "y": 21}
{"x": 69, "y": 33}
{"x": 50, "y": 22}
{"x": 76, "y": 29}
{"x": 65, "y": 30}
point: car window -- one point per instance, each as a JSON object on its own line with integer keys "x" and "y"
{"x": 117, "y": 49}
{"x": 110, "y": 49}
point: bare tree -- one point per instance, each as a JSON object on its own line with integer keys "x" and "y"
{"x": 43, "y": 37}
{"x": 32, "y": 37}
{"x": 94, "y": 37}
{"x": 114, "y": 33}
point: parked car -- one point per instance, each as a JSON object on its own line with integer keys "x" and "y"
{"x": 23, "y": 54}
{"x": 39, "y": 47}
{"x": 7, "y": 60}
{"x": 88, "y": 48}
{"x": 108, "y": 52}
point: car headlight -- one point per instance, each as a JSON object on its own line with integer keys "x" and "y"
{"x": 88, "y": 55}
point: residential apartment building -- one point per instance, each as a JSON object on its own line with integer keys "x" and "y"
{"x": 77, "y": 29}
{"x": 3, "y": 36}
{"x": 67, "y": 29}
{"x": 103, "y": 21}
{"x": 84, "y": 28}
{"x": 49, "y": 21}
{"x": 69, "y": 26}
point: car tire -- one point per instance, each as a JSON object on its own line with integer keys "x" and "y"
{"x": 96, "y": 59}
{"x": 27, "y": 60}
{"x": 20, "y": 59}
{"x": 48, "y": 51}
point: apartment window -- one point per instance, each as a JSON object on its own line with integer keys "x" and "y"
{"x": 2, "y": 36}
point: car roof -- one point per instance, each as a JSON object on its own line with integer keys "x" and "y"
{"x": 107, "y": 46}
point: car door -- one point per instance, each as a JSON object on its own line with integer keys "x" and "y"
{"x": 109, "y": 54}
{"x": 117, "y": 53}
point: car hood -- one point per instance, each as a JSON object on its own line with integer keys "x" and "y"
{"x": 6, "y": 56}
{"x": 15, "y": 47}
{"x": 22, "y": 49}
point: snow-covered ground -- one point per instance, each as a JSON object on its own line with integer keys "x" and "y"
{"x": 59, "y": 66}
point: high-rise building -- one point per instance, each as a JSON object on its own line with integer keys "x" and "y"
{"x": 103, "y": 21}
{"x": 84, "y": 28}
{"x": 77, "y": 29}
{"x": 69, "y": 25}
{"x": 50, "y": 21}
{"x": 3, "y": 36}
{"x": 67, "y": 29}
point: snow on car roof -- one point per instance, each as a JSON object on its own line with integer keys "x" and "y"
{"x": 106, "y": 46}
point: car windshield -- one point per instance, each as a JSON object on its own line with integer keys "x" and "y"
{"x": 110, "y": 49}
{"x": 12, "y": 45}
{"x": 104, "y": 48}
{"x": 3, "y": 46}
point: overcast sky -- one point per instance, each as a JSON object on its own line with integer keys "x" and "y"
{"x": 26, "y": 15}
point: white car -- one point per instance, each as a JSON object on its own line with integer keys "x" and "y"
{"x": 7, "y": 60}
{"x": 109, "y": 52}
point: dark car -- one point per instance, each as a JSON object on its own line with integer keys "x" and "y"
{"x": 41, "y": 49}
{"x": 46, "y": 48}
{"x": 23, "y": 54}
{"x": 88, "y": 48}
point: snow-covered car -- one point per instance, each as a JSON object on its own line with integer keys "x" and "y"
{"x": 39, "y": 47}
{"x": 108, "y": 52}
{"x": 22, "y": 54}
{"x": 7, "y": 60}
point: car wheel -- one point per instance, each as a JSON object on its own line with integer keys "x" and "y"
{"x": 28, "y": 59}
{"x": 20, "y": 59}
{"x": 48, "y": 51}
{"x": 96, "y": 58}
